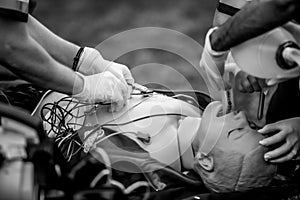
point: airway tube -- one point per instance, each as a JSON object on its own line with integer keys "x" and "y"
{"x": 292, "y": 55}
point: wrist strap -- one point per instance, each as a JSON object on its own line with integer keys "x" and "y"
{"x": 76, "y": 59}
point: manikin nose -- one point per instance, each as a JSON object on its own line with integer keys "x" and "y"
{"x": 240, "y": 115}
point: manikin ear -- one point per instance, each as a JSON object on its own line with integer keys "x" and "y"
{"x": 206, "y": 162}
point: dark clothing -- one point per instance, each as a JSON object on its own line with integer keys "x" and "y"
{"x": 285, "y": 103}
{"x": 18, "y": 11}
{"x": 22, "y": 95}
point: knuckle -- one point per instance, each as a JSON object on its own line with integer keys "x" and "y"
{"x": 246, "y": 84}
{"x": 240, "y": 88}
{"x": 288, "y": 144}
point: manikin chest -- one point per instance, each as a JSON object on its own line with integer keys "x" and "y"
{"x": 168, "y": 125}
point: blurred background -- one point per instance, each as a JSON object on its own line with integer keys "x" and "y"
{"x": 90, "y": 22}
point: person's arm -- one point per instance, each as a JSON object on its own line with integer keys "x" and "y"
{"x": 59, "y": 48}
{"x": 254, "y": 19}
{"x": 91, "y": 61}
{"x": 24, "y": 56}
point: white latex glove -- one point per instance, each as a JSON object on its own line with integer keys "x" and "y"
{"x": 212, "y": 62}
{"x": 105, "y": 88}
{"x": 91, "y": 62}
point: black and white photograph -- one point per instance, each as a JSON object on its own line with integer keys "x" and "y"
{"x": 149, "y": 100}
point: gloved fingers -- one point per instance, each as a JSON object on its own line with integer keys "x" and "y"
{"x": 279, "y": 152}
{"x": 113, "y": 89}
{"x": 254, "y": 83}
{"x": 262, "y": 83}
{"x": 275, "y": 81}
{"x": 125, "y": 93}
{"x": 270, "y": 128}
{"x": 274, "y": 139}
{"x": 289, "y": 156}
{"x": 115, "y": 106}
{"x": 127, "y": 75}
{"x": 123, "y": 73}
{"x": 241, "y": 88}
{"x": 114, "y": 68}
{"x": 271, "y": 82}
{"x": 118, "y": 98}
{"x": 247, "y": 86}
{"x": 129, "y": 90}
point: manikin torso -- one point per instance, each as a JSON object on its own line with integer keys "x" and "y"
{"x": 171, "y": 133}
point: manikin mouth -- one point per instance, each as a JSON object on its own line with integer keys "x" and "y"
{"x": 221, "y": 112}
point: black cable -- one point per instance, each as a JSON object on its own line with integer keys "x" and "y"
{"x": 142, "y": 118}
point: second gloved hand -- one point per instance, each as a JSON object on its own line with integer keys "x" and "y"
{"x": 91, "y": 62}
{"x": 286, "y": 135}
{"x": 105, "y": 88}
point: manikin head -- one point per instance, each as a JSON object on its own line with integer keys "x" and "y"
{"x": 228, "y": 154}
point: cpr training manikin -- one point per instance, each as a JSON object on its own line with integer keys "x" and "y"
{"x": 222, "y": 149}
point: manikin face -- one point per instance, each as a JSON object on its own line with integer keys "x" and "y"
{"x": 229, "y": 156}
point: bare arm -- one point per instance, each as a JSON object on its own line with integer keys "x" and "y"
{"x": 60, "y": 49}
{"x": 254, "y": 19}
{"x": 20, "y": 53}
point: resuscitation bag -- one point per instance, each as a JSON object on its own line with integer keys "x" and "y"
{"x": 274, "y": 54}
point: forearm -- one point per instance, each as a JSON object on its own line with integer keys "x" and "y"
{"x": 254, "y": 19}
{"x": 60, "y": 49}
{"x": 25, "y": 57}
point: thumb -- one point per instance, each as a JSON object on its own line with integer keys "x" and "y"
{"x": 128, "y": 77}
{"x": 271, "y": 82}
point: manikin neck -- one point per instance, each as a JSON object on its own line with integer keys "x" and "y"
{"x": 187, "y": 140}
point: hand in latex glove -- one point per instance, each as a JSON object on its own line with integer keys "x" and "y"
{"x": 104, "y": 87}
{"x": 287, "y": 137}
{"x": 91, "y": 62}
{"x": 212, "y": 63}
{"x": 248, "y": 84}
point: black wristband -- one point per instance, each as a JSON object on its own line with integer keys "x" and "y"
{"x": 76, "y": 59}
{"x": 227, "y": 9}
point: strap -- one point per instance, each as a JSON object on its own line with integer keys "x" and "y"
{"x": 15, "y": 9}
{"x": 17, "y": 5}
{"x": 227, "y": 9}
{"x": 77, "y": 58}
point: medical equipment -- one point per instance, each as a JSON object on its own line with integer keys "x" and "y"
{"x": 72, "y": 123}
{"x": 227, "y": 101}
{"x": 67, "y": 118}
{"x": 274, "y": 55}
{"x": 260, "y": 108}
